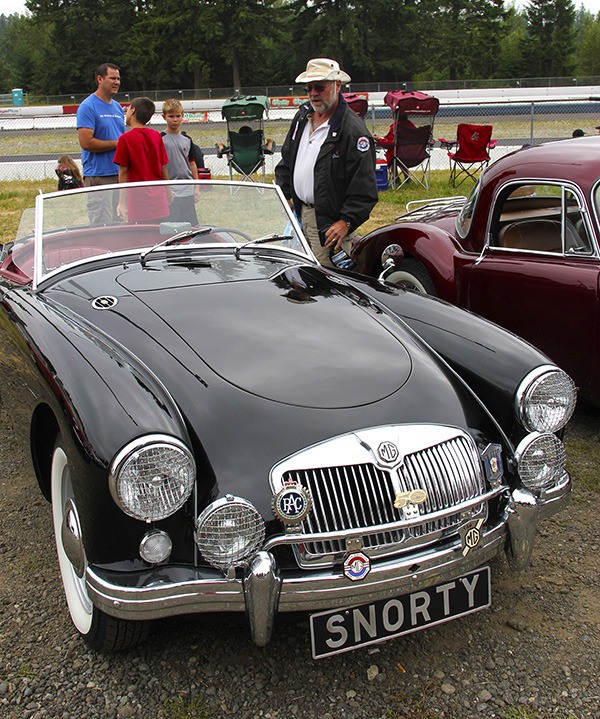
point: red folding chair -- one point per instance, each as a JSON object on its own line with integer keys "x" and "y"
{"x": 407, "y": 147}
{"x": 473, "y": 143}
{"x": 358, "y": 103}
{"x": 409, "y": 159}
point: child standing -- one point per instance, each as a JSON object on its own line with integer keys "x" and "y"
{"x": 69, "y": 175}
{"x": 141, "y": 156}
{"x": 182, "y": 165}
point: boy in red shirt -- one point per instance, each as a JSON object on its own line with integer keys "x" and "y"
{"x": 141, "y": 156}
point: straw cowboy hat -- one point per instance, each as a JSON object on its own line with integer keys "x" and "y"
{"x": 322, "y": 68}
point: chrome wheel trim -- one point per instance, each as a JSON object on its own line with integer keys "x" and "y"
{"x": 81, "y": 608}
{"x": 406, "y": 280}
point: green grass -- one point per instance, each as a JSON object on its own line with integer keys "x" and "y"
{"x": 525, "y": 713}
{"x": 17, "y": 195}
{"x": 186, "y": 708}
{"x": 583, "y": 460}
{"x": 14, "y": 198}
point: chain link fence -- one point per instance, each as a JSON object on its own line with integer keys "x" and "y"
{"x": 30, "y": 144}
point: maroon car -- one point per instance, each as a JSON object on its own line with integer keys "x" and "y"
{"x": 521, "y": 250}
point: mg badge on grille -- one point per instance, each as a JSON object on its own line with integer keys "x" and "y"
{"x": 356, "y": 566}
{"x": 388, "y": 452}
{"x": 470, "y": 534}
{"x": 292, "y": 503}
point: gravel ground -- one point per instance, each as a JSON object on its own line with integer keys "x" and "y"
{"x": 536, "y": 650}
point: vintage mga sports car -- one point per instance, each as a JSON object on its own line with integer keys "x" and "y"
{"x": 522, "y": 250}
{"x": 221, "y": 424}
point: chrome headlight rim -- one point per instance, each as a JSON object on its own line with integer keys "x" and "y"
{"x": 129, "y": 453}
{"x": 207, "y": 538}
{"x": 554, "y": 472}
{"x": 527, "y": 400}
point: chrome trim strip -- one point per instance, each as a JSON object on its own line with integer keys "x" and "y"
{"x": 299, "y": 590}
{"x": 264, "y": 589}
{"x": 299, "y": 538}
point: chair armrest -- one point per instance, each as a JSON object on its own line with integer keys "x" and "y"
{"x": 447, "y": 144}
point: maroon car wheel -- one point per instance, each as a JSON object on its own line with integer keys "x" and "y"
{"x": 411, "y": 275}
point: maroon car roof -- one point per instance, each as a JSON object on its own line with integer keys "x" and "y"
{"x": 576, "y": 159}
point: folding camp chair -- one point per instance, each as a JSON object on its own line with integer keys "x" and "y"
{"x": 408, "y": 146}
{"x": 358, "y": 103}
{"x": 246, "y": 146}
{"x": 473, "y": 143}
{"x": 411, "y": 159}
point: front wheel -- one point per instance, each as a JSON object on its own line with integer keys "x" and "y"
{"x": 411, "y": 275}
{"x": 100, "y": 631}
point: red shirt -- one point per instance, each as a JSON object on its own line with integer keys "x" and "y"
{"x": 142, "y": 152}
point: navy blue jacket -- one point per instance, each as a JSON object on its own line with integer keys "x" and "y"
{"x": 345, "y": 181}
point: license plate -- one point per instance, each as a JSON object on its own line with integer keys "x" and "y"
{"x": 342, "y": 630}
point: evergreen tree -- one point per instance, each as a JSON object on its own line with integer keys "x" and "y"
{"x": 587, "y": 48}
{"x": 549, "y": 44}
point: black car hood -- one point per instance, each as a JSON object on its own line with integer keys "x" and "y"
{"x": 294, "y": 336}
{"x": 261, "y": 358}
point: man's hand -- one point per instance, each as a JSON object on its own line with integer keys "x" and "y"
{"x": 335, "y": 234}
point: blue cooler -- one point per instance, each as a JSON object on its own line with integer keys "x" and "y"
{"x": 381, "y": 173}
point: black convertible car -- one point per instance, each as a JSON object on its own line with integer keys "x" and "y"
{"x": 221, "y": 424}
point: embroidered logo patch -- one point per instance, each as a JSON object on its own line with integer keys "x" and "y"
{"x": 363, "y": 144}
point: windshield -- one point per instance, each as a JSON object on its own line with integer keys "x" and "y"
{"x": 228, "y": 213}
{"x": 463, "y": 221}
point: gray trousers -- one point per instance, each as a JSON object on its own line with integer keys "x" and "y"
{"x": 102, "y": 206}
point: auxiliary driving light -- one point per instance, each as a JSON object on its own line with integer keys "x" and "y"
{"x": 229, "y": 531}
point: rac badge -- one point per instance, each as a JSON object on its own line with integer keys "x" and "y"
{"x": 356, "y": 566}
{"x": 292, "y": 503}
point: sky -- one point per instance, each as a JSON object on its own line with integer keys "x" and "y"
{"x": 8, "y": 7}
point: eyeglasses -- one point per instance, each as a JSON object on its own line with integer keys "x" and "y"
{"x": 316, "y": 88}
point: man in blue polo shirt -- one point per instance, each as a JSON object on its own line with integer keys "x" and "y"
{"x": 100, "y": 123}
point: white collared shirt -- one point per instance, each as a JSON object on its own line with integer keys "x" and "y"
{"x": 304, "y": 168}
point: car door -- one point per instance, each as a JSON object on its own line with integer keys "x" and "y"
{"x": 538, "y": 276}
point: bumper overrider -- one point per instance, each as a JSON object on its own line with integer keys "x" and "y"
{"x": 261, "y": 589}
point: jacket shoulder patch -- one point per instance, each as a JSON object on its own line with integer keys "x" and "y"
{"x": 362, "y": 144}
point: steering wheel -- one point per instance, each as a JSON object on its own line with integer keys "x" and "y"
{"x": 233, "y": 231}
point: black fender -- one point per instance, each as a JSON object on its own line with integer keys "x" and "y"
{"x": 97, "y": 395}
{"x": 490, "y": 359}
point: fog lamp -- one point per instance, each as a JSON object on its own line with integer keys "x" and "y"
{"x": 228, "y": 531}
{"x": 155, "y": 547}
{"x": 541, "y": 460}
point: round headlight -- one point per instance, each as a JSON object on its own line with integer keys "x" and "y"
{"x": 546, "y": 399}
{"x": 152, "y": 477}
{"x": 541, "y": 461}
{"x": 228, "y": 531}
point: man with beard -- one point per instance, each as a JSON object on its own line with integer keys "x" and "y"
{"x": 327, "y": 168}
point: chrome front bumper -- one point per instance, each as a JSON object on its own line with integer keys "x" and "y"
{"x": 263, "y": 589}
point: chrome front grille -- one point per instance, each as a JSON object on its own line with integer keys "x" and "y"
{"x": 357, "y": 495}
{"x": 344, "y": 498}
